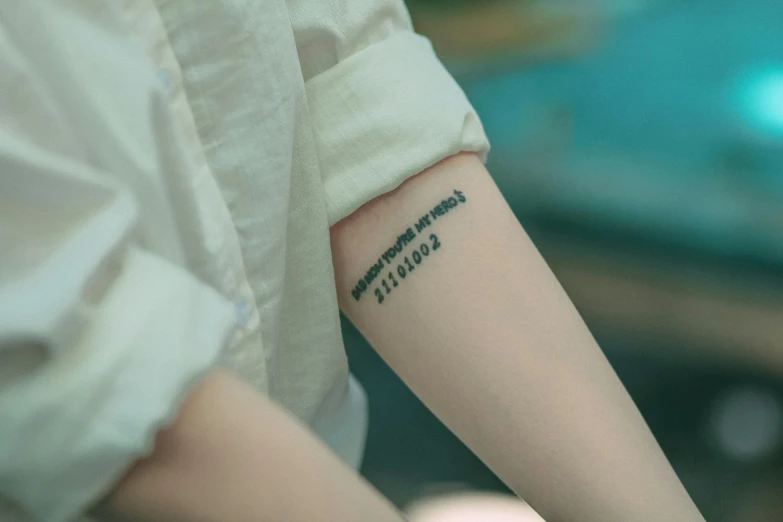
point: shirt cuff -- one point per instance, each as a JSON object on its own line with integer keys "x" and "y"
{"x": 383, "y": 115}
{"x": 72, "y": 428}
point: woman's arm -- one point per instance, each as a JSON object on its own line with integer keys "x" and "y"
{"x": 444, "y": 283}
{"x": 233, "y": 456}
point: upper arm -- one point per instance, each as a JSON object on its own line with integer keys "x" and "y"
{"x": 441, "y": 279}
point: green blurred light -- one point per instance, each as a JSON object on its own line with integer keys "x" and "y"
{"x": 763, "y": 100}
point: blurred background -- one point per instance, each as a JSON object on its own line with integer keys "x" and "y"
{"x": 640, "y": 143}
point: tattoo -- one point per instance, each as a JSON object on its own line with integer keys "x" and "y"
{"x": 403, "y": 240}
{"x": 406, "y": 267}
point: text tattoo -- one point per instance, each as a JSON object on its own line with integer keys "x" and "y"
{"x": 406, "y": 267}
{"x": 386, "y": 274}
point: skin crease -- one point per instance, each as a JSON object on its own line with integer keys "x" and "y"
{"x": 483, "y": 333}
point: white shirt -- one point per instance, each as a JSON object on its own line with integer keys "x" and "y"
{"x": 169, "y": 170}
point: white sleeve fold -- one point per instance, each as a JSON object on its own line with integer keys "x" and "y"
{"x": 383, "y": 107}
{"x": 101, "y": 333}
{"x": 99, "y": 339}
{"x": 77, "y": 410}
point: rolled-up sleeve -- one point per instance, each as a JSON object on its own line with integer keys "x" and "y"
{"x": 102, "y": 331}
{"x": 382, "y": 105}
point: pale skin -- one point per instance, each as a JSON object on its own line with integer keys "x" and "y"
{"x": 481, "y": 331}
{"x": 473, "y": 508}
{"x": 233, "y": 456}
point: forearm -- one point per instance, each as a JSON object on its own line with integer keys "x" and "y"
{"x": 232, "y": 456}
{"x": 484, "y": 334}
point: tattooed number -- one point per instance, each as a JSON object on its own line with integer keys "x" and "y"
{"x": 405, "y": 268}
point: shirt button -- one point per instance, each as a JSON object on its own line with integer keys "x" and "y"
{"x": 242, "y": 312}
{"x": 164, "y": 77}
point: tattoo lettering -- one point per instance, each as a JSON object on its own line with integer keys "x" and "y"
{"x": 368, "y": 278}
{"x": 403, "y": 240}
{"x": 423, "y": 223}
{"x": 407, "y": 266}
